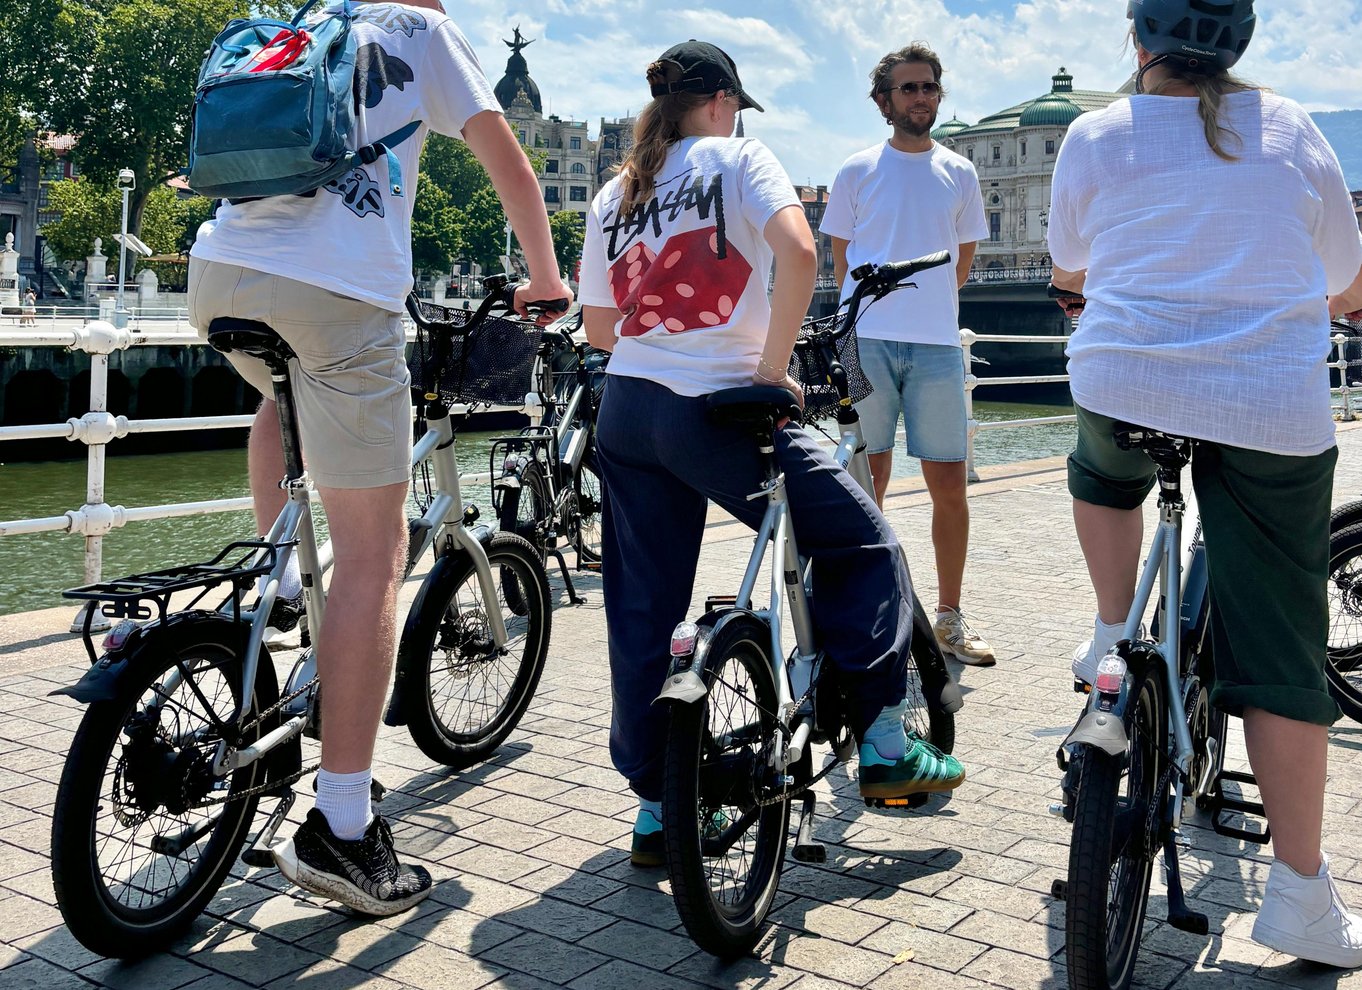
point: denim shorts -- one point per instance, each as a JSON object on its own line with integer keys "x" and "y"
{"x": 924, "y": 382}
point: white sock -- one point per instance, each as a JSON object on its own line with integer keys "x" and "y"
{"x": 343, "y": 798}
{"x": 1105, "y": 636}
{"x": 886, "y": 733}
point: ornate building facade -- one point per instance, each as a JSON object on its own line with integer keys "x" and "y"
{"x": 568, "y": 177}
{"x": 1014, "y": 152}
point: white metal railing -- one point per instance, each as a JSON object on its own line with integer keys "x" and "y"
{"x": 96, "y": 517}
{"x": 968, "y": 338}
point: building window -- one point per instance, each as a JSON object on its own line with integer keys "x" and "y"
{"x": 997, "y": 152}
{"x": 578, "y": 168}
{"x": 522, "y": 137}
{"x": 551, "y": 194}
{"x": 995, "y": 226}
{"x": 575, "y": 143}
{"x": 969, "y": 152}
{"x": 551, "y": 165}
{"x": 1023, "y": 147}
{"x": 577, "y": 194}
{"x": 1049, "y": 146}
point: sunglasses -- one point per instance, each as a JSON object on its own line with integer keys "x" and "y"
{"x": 912, "y": 88}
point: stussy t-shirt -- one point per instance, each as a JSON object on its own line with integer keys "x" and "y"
{"x": 353, "y": 236}
{"x": 688, "y": 268}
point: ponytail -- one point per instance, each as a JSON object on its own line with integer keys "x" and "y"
{"x": 657, "y": 129}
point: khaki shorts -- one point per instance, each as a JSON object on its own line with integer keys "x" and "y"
{"x": 350, "y": 383}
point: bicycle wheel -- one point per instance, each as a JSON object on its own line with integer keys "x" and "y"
{"x": 1344, "y": 669}
{"x": 462, "y": 696}
{"x": 524, "y": 509}
{"x": 138, "y": 846}
{"x": 724, "y": 850}
{"x": 1115, "y": 837}
{"x": 928, "y": 675}
{"x": 587, "y": 485}
{"x": 1347, "y": 514}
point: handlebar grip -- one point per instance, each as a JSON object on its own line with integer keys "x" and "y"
{"x": 547, "y": 306}
{"x": 1055, "y": 292}
{"x": 897, "y": 271}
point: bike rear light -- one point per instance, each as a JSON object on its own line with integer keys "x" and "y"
{"x": 1111, "y": 674}
{"x": 683, "y": 638}
{"x": 118, "y": 635}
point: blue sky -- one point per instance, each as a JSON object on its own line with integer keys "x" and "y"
{"x": 807, "y": 61}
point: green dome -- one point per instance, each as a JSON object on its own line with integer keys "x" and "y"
{"x": 1051, "y": 110}
{"x": 953, "y": 126}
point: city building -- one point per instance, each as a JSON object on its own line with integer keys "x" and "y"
{"x": 24, "y": 187}
{"x": 613, "y": 142}
{"x": 1014, "y": 152}
{"x": 568, "y": 175}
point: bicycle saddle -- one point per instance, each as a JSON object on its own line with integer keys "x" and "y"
{"x": 227, "y": 333}
{"x": 752, "y": 405}
{"x": 1164, "y": 449}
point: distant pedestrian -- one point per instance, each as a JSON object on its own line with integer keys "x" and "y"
{"x": 903, "y": 198}
{"x": 30, "y": 310}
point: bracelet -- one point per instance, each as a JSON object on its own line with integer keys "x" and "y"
{"x": 779, "y": 371}
{"x": 773, "y": 381}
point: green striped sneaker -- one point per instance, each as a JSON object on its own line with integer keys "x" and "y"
{"x": 924, "y": 770}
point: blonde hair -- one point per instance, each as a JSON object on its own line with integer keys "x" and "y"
{"x": 1211, "y": 88}
{"x": 657, "y": 129}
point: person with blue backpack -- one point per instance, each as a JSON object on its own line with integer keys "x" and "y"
{"x": 306, "y": 129}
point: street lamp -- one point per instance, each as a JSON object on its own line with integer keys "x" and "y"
{"x": 508, "y": 245}
{"x": 126, "y": 183}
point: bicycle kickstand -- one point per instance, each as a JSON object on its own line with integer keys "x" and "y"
{"x": 806, "y": 850}
{"x": 258, "y": 852}
{"x": 573, "y": 597}
{"x": 1180, "y": 916}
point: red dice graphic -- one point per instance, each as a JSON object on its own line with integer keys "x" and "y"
{"x": 685, "y": 286}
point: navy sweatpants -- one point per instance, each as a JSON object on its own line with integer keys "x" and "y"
{"x": 661, "y": 460}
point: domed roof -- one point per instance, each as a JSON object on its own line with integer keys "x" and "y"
{"x": 1051, "y": 110}
{"x": 517, "y": 79}
{"x": 952, "y": 126}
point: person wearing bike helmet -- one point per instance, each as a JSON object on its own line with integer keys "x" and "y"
{"x": 678, "y": 254}
{"x": 1206, "y": 220}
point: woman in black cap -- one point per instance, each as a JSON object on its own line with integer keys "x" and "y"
{"x": 678, "y": 254}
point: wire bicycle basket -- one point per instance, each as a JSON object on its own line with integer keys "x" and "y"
{"x": 809, "y": 367}
{"x": 490, "y": 362}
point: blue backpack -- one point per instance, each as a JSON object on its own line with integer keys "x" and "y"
{"x": 274, "y": 110}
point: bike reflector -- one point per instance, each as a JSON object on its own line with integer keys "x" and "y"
{"x": 683, "y": 638}
{"x": 1111, "y": 674}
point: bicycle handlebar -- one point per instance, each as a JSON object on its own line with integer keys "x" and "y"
{"x": 897, "y": 271}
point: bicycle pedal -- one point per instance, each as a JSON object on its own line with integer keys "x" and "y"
{"x": 810, "y": 852}
{"x": 1059, "y": 890}
{"x": 259, "y": 857}
{"x": 906, "y": 803}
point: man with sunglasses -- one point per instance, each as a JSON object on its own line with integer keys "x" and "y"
{"x": 901, "y": 199}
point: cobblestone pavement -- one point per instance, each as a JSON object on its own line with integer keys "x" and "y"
{"x": 530, "y": 851}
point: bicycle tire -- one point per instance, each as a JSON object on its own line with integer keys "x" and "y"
{"x": 701, "y": 795}
{"x": 447, "y": 628}
{"x": 1347, "y": 514}
{"x": 928, "y": 675}
{"x": 1344, "y": 667}
{"x": 589, "y": 492}
{"x": 1100, "y": 951}
{"x": 87, "y": 797}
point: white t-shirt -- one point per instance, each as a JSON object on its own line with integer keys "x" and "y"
{"x": 689, "y": 268}
{"x": 1206, "y": 282}
{"x": 352, "y": 236}
{"x": 895, "y": 206}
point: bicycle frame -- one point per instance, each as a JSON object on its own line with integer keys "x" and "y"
{"x": 293, "y": 531}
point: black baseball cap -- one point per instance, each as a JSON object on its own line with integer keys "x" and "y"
{"x": 705, "y": 69}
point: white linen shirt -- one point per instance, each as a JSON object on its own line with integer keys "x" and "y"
{"x": 1206, "y": 278}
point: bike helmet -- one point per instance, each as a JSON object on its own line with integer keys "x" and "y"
{"x": 1207, "y": 34}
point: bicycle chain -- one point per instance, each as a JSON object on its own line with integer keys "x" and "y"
{"x": 270, "y": 784}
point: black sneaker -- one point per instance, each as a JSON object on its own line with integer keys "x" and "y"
{"x": 286, "y": 612}
{"x": 364, "y": 874}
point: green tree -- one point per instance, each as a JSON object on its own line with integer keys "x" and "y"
{"x": 569, "y": 231}
{"x": 436, "y": 236}
{"x": 118, "y": 73}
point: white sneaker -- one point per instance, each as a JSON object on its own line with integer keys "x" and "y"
{"x": 954, "y": 635}
{"x": 1085, "y": 661}
{"x": 1305, "y": 917}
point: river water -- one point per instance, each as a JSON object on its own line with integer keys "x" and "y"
{"x": 35, "y": 568}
